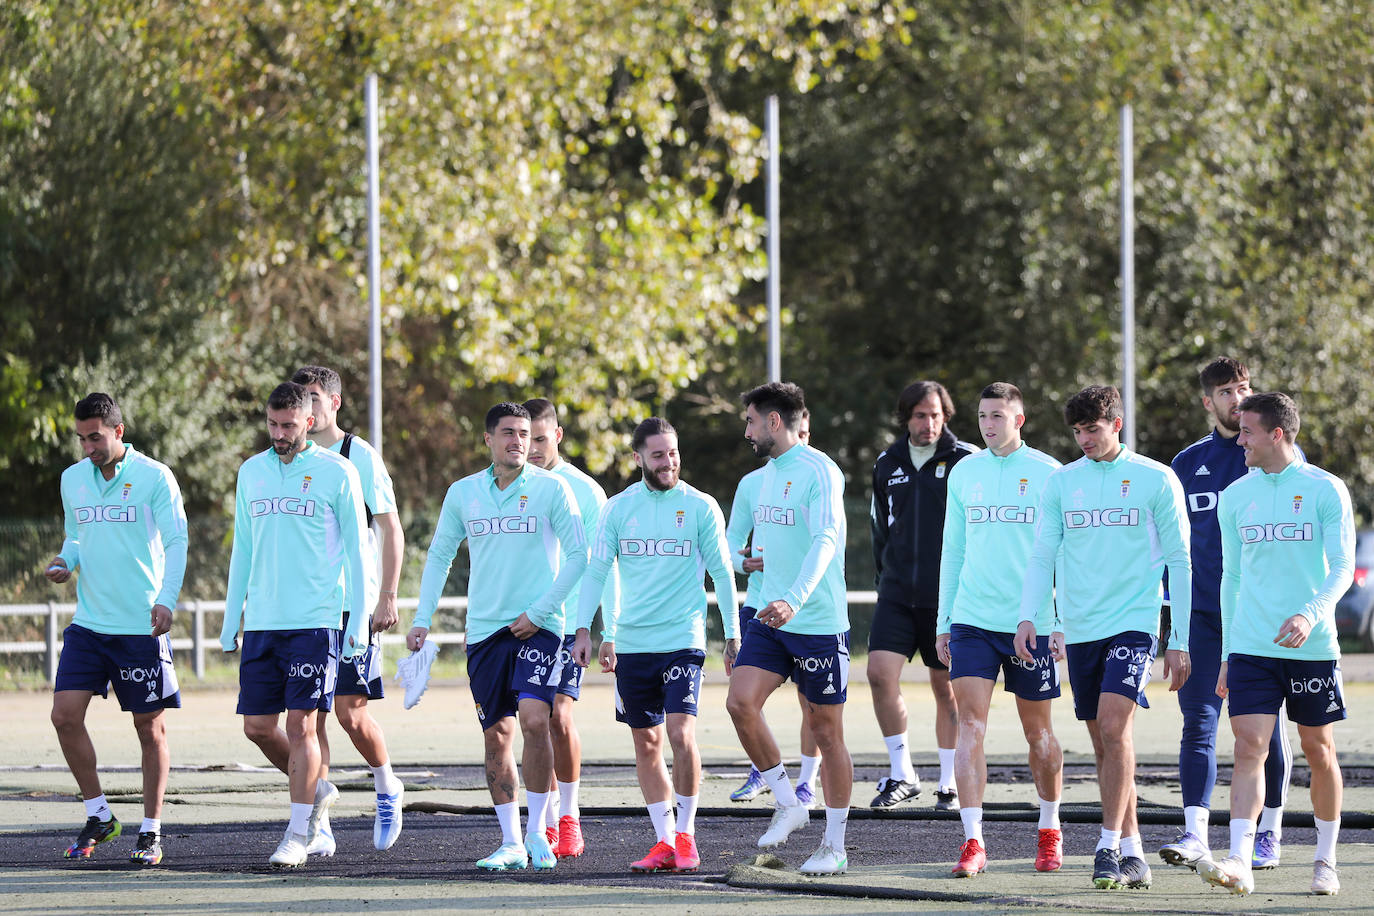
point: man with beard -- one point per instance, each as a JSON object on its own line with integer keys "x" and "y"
{"x": 662, "y": 533}
{"x": 801, "y": 630}
{"x": 1205, "y": 468}
{"x": 527, "y": 551}
{"x": 360, "y": 680}
{"x": 563, "y": 820}
{"x": 126, "y": 535}
{"x": 910, "y": 487}
{"x": 296, "y": 566}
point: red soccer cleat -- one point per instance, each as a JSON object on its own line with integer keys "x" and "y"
{"x": 570, "y": 844}
{"x": 661, "y": 858}
{"x": 1050, "y": 854}
{"x": 551, "y": 834}
{"x": 685, "y": 854}
{"x": 972, "y": 860}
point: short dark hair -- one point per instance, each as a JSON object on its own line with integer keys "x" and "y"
{"x": 504, "y": 409}
{"x": 326, "y": 378}
{"x": 917, "y": 392}
{"x": 99, "y": 406}
{"x": 289, "y": 396}
{"x": 1096, "y": 402}
{"x": 653, "y": 426}
{"x": 542, "y": 409}
{"x": 783, "y": 398}
{"x": 1222, "y": 371}
{"x": 1003, "y": 391}
{"x": 1275, "y": 410}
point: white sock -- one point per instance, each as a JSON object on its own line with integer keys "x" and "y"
{"x": 151, "y": 825}
{"x": 384, "y": 780}
{"x": 300, "y": 818}
{"x": 1131, "y": 847}
{"x": 537, "y": 803}
{"x": 659, "y": 813}
{"x": 810, "y": 766}
{"x": 946, "y": 768}
{"x": 1049, "y": 814}
{"x": 567, "y": 800}
{"x": 1110, "y": 839}
{"x": 1271, "y": 819}
{"x": 1195, "y": 821}
{"x": 1243, "y": 839}
{"x": 509, "y": 817}
{"x": 322, "y": 787}
{"x": 686, "y": 813}
{"x": 783, "y": 793}
{"x": 973, "y": 823}
{"x": 1326, "y": 840}
{"x": 551, "y": 807}
{"x": 899, "y": 758}
{"x": 835, "y": 819}
{"x": 98, "y": 807}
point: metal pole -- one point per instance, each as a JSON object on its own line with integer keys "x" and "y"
{"x": 374, "y": 269}
{"x": 774, "y": 258}
{"x": 1128, "y": 273}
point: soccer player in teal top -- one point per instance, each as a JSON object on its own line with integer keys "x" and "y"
{"x": 989, "y": 530}
{"x": 748, "y": 561}
{"x": 562, "y": 819}
{"x": 296, "y": 567}
{"x": 1288, "y": 554}
{"x": 802, "y": 629}
{"x": 361, "y": 679}
{"x": 664, "y": 534}
{"x": 126, "y": 537}
{"x": 527, "y": 551}
{"x": 1111, "y": 503}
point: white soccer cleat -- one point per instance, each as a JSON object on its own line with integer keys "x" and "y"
{"x": 323, "y": 844}
{"x": 1324, "y": 880}
{"x": 786, "y": 818}
{"x": 1231, "y": 873}
{"x": 326, "y": 794}
{"x": 826, "y": 861}
{"x": 413, "y": 672}
{"x": 291, "y": 851}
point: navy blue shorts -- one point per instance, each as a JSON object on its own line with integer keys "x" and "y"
{"x": 503, "y": 669}
{"x": 362, "y": 674}
{"x": 570, "y": 681}
{"x": 905, "y": 630}
{"x": 819, "y": 664}
{"x": 976, "y": 652}
{"x": 139, "y": 667}
{"x": 1119, "y": 664}
{"x": 746, "y": 614}
{"x": 287, "y": 669}
{"x": 651, "y": 685}
{"x": 1311, "y": 689}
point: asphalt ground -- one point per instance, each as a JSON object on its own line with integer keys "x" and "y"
{"x": 226, "y": 811}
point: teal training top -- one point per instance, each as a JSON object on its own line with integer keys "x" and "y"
{"x": 799, "y": 528}
{"x": 590, "y": 498}
{"x": 739, "y": 529}
{"x": 1287, "y": 547}
{"x": 515, "y": 537}
{"x": 380, "y": 498}
{"x": 297, "y": 561}
{"x": 127, "y": 536}
{"x": 1120, "y": 524}
{"x": 664, "y": 541}
{"x": 989, "y": 531}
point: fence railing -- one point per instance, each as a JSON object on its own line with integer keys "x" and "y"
{"x": 54, "y": 611}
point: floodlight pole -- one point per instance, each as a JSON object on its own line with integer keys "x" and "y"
{"x": 774, "y": 257}
{"x": 1128, "y": 273}
{"x": 374, "y": 269}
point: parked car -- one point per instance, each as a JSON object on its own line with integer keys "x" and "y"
{"x": 1355, "y": 610}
